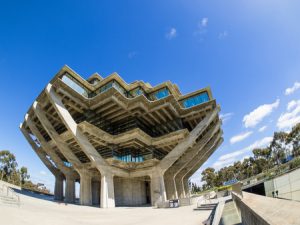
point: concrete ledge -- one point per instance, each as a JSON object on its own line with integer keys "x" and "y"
{"x": 10, "y": 185}
{"x": 260, "y": 210}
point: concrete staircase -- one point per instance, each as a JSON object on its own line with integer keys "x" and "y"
{"x": 8, "y": 196}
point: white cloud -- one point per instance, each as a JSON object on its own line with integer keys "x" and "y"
{"x": 229, "y": 158}
{"x": 172, "y": 33}
{"x": 291, "y": 117}
{"x": 204, "y": 22}
{"x": 225, "y": 117}
{"x": 240, "y": 137}
{"x": 223, "y": 35}
{"x": 291, "y": 105}
{"x": 201, "y": 29}
{"x": 291, "y": 90}
{"x": 258, "y": 114}
{"x": 263, "y": 128}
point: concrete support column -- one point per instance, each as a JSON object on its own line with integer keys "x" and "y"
{"x": 96, "y": 192}
{"x": 185, "y": 182}
{"x": 59, "y": 188}
{"x": 158, "y": 191}
{"x": 70, "y": 189}
{"x": 107, "y": 190}
{"x": 85, "y": 188}
{"x": 179, "y": 188}
{"x": 171, "y": 191}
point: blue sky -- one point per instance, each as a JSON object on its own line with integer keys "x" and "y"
{"x": 248, "y": 52}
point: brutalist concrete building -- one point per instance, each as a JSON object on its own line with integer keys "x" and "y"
{"x": 126, "y": 144}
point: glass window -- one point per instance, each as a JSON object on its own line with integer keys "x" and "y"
{"x": 111, "y": 84}
{"x": 129, "y": 158}
{"x": 105, "y": 87}
{"x": 162, "y": 93}
{"x": 195, "y": 100}
{"x": 136, "y": 92}
{"x": 74, "y": 85}
{"x": 67, "y": 164}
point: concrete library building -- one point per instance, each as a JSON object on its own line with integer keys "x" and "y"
{"x": 126, "y": 144}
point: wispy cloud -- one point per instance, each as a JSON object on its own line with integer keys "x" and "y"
{"x": 229, "y": 158}
{"x": 263, "y": 128}
{"x": 202, "y": 28}
{"x": 172, "y": 33}
{"x": 258, "y": 114}
{"x": 240, "y": 137}
{"x": 204, "y": 22}
{"x": 225, "y": 117}
{"x": 43, "y": 173}
{"x": 223, "y": 35}
{"x": 132, "y": 54}
{"x": 291, "y": 117}
{"x": 292, "y": 89}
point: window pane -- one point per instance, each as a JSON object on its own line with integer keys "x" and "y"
{"x": 74, "y": 85}
{"x": 195, "y": 100}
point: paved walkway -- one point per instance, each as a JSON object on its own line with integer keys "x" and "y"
{"x": 35, "y": 211}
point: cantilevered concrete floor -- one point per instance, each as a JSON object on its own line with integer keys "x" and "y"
{"x": 35, "y": 211}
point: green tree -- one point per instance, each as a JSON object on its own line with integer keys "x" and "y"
{"x": 8, "y": 165}
{"x": 278, "y": 147}
{"x": 24, "y": 175}
{"x": 209, "y": 177}
{"x": 293, "y": 138}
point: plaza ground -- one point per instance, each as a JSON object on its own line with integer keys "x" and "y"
{"x": 33, "y": 211}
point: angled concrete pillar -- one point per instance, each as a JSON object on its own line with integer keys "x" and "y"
{"x": 197, "y": 161}
{"x": 158, "y": 191}
{"x": 107, "y": 197}
{"x": 59, "y": 188}
{"x": 85, "y": 188}
{"x": 171, "y": 191}
{"x": 186, "y": 143}
{"x": 40, "y": 152}
{"x": 171, "y": 178}
{"x": 85, "y": 145}
{"x": 179, "y": 188}
{"x": 186, "y": 188}
{"x": 96, "y": 192}
{"x": 70, "y": 189}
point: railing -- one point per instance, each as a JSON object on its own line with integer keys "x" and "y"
{"x": 8, "y": 192}
{"x": 269, "y": 174}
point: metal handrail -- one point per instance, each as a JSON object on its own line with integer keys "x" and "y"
{"x": 10, "y": 193}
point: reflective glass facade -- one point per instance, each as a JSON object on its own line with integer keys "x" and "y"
{"x": 195, "y": 100}
{"x": 74, "y": 85}
{"x": 162, "y": 93}
{"x": 111, "y": 84}
{"x": 130, "y": 158}
{"x": 136, "y": 92}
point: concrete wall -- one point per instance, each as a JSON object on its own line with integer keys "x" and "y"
{"x": 288, "y": 186}
{"x": 130, "y": 192}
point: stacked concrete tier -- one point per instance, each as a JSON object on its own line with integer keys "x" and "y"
{"x": 127, "y": 144}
